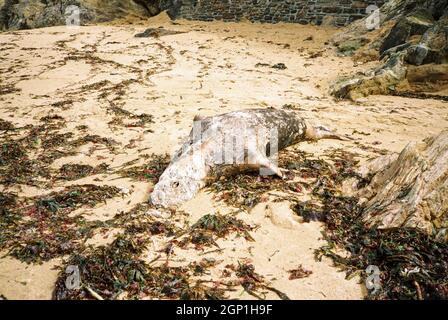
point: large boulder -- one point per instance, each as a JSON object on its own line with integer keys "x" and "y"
{"x": 411, "y": 190}
{"x": 380, "y": 81}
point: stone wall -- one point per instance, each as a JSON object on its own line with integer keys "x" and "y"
{"x": 273, "y": 11}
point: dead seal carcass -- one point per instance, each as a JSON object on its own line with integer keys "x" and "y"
{"x": 231, "y": 143}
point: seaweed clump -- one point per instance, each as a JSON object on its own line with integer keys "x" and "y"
{"x": 150, "y": 171}
{"x": 141, "y": 225}
{"x": 128, "y": 119}
{"x": 117, "y": 271}
{"x": 6, "y": 125}
{"x": 76, "y": 171}
{"x": 412, "y": 264}
{"x": 26, "y": 159}
{"x": 299, "y": 273}
{"x": 247, "y": 190}
{"x": 213, "y": 226}
{"x": 253, "y": 282}
{"x": 41, "y": 228}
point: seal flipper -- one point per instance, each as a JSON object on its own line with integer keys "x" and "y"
{"x": 267, "y": 167}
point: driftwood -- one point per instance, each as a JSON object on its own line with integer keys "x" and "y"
{"x": 411, "y": 190}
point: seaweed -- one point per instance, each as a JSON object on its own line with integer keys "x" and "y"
{"x": 96, "y": 139}
{"x": 8, "y": 89}
{"x": 26, "y": 160}
{"x": 63, "y": 104}
{"x": 299, "y": 273}
{"x": 139, "y": 120}
{"x": 246, "y": 190}
{"x": 25, "y": 171}
{"x": 71, "y": 171}
{"x": 6, "y": 125}
{"x": 10, "y": 152}
{"x": 8, "y": 202}
{"x": 413, "y": 265}
{"x": 138, "y": 223}
{"x": 252, "y": 281}
{"x": 309, "y": 211}
{"x": 117, "y": 269}
{"x": 212, "y": 226}
{"x": 150, "y": 171}
{"x": 41, "y": 228}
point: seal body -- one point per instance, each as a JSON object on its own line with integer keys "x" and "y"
{"x": 228, "y": 144}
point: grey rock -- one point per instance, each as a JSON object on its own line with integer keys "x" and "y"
{"x": 399, "y": 34}
{"x": 28, "y": 14}
{"x": 417, "y": 54}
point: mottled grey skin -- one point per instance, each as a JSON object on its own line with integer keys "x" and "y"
{"x": 190, "y": 171}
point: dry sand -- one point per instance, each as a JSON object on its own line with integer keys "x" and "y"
{"x": 208, "y": 69}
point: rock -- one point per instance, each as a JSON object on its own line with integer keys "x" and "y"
{"x": 384, "y": 79}
{"x": 149, "y": 6}
{"x": 416, "y": 55}
{"x": 411, "y": 191}
{"x": 394, "y": 50}
{"x": 375, "y": 165}
{"x": 397, "y": 36}
{"x": 390, "y": 12}
{"x": 156, "y": 32}
{"x": 279, "y": 66}
{"x": 27, "y": 14}
{"x": 427, "y": 73}
{"x": 404, "y": 46}
{"x": 420, "y": 21}
{"x": 433, "y": 47}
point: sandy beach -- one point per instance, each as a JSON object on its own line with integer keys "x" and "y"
{"x": 206, "y": 68}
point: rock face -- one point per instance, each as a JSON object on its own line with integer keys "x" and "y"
{"x": 411, "y": 190}
{"x": 272, "y": 11}
{"x": 418, "y": 37}
{"x": 28, "y": 14}
{"x": 417, "y": 23}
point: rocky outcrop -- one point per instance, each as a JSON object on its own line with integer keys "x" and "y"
{"x": 410, "y": 190}
{"x": 418, "y": 36}
{"x": 417, "y": 23}
{"x": 29, "y": 14}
